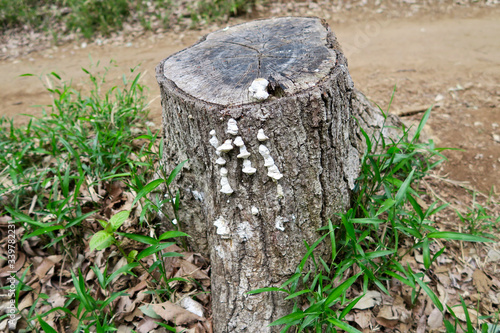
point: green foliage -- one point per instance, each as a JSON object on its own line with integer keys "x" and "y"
{"x": 32, "y": 13}
{"x": 217, "y": 10}
{"x": 91, "y": 17}
{"x": 80, "y": 141}
{"x": 386, "y": 211}
{"x": 478, "y": 222}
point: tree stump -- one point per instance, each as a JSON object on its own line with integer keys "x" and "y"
{"x": 263, "y": 112}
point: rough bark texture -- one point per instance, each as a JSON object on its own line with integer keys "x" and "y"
{"x": 255, "y": 235}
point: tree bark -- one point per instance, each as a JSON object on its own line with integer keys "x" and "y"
{"x": 214, "y": 97}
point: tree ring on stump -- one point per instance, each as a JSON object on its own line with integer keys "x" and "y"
{"x": 292, "y": 53}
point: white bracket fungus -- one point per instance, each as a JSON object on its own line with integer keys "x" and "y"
{"x": 243, "y": 153}
{"x": 213, "y": 140}
{"x": 255, "y": 211}
{"x": 220, "y": 161}
{"x": 258, "y": 89}
{"x": 272, "y": 169}
{"x": 232, "y": 127}
{"x": 222, "y": 227}
{"x": 274, "y": 173}
{"x": 224, "y": 182}
{"x": 247, "y": 167}
{"x": 261, "y": 136}
{"x": 268, "y": 160}
{"x": 226, "y": 146}
{"x": 238, "y": 141}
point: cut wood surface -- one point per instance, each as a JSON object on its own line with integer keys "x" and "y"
{"x": 264, "y": 113}
{"x": 291, "y": 53}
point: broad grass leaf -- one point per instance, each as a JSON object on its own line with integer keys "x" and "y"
{"x": 172, "y": 234}
{"x": 153, "y": 249}
{"x": 458, "y": 236}
{"x": 140, "y": 238}
{"x": 404, "y": 188}
{"x": 289, "y": 318}
{"x": 118, "y": 219}
{"x": 337, "y": 292}
{"x": 101, "y": 240}
{"x": 344, "y": 326}
{"x": 174, "y": 172}
{"x": 151, "y": 186}
{"x": 46, "y": 327}
{"x": 388, "y": 203}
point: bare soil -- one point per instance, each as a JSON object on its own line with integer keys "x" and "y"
{"x": 446, "y": 55}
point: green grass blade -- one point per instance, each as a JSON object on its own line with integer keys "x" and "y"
{"x": 152, "y": 185}
{"x": 338, "y": 291}
{"x": 174, "y": 172}
{"x": 343, "y": 326}
{"x": 458, "y": 236}
{"x": 421, "y": 125}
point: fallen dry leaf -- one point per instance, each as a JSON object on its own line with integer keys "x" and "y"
{"x": 5, "y": 271}
{"x": 175, "y": 314}
{"x": 369, "y": 300}
{"x": 435, "y": 319}
{"x": 363, "y": 318}
{"x": 459, "y": 312}
{"x": 481, "y": 281}
{"x": 146, "y": 325}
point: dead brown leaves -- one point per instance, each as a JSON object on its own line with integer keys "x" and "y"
{"x": 148, "y": 302}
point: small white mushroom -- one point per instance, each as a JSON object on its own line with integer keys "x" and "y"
{"x": 243, "y": 152}
{"x": 224, "y": 182}
{"x": 255, "y": 210}
{"x": 258, "y": 89}
{"x": 247, "y": 167}
{"x": 226, "y": 146}
{"x": 222, "y": 227}
{"x": 279, "y": 192}
{"x": 268, "y": 160}
{"x": 220, "y": 161}
{"x": 261, "y": 136}
{"x": 226, "y": 188}
{"x": 274, "y": 173}
{"x": 238, "y": 141}
{"x": 213, "y": 140}
{"x": 232, "y": 127}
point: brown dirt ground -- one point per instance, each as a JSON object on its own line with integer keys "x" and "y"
{"x": 446, "y": 55}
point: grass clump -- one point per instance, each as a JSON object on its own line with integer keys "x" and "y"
{"x": 388, "y": 221}
{"x": 71, "y": 179}
{"x": 97, "y": 17}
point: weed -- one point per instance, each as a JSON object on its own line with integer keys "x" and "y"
{"x": 478, "y": 222}
{"x": 386, "y": 214}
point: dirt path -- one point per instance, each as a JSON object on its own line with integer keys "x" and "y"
{"x": 452, "y": 60}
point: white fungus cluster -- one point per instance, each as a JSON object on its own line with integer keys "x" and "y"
{"x": 224, "y": 182}
{"x": 272, "y": 170}
{"x": 258, "y": 89}
{"x": 244, "y": 154}
{"x": 227, "y": 146}
{"x": 222, "y": 227}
